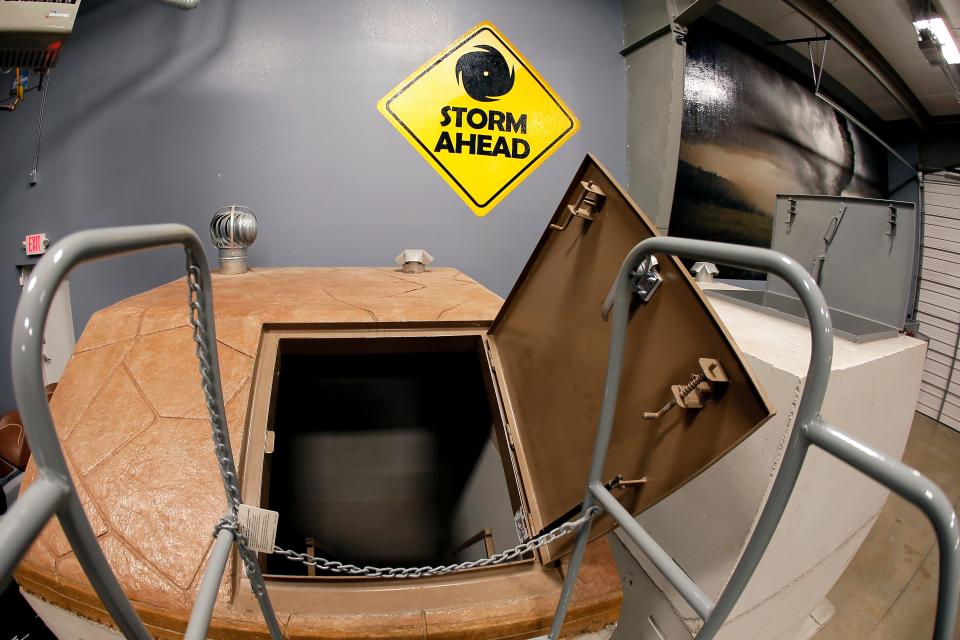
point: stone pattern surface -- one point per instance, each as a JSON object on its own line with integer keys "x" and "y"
{"x": 130, "y": 414}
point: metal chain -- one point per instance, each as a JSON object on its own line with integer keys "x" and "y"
{"x": 823, "y": 58}
{"x": 206, "y": 382}
{"x": 218, "y": 429}
{"x": 229, "y": 521}
{"x": 421, "y": 572}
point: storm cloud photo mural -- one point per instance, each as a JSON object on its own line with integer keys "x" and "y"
{"x": 750, "y": 132}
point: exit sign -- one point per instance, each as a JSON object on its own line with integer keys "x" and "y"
{"x": 36, "y": 244}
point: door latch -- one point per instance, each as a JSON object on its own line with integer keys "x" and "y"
{"x": 587, "y": 205}
{"x": 647, "y": 279}
{"x": 791, "y": 211}
{"x": 892, "y": 220}
{"x": 834, "y": 225}
{"x": 816, "y": 268}
{"x": 620, "y": 483}
{"x": 703, "y": 387}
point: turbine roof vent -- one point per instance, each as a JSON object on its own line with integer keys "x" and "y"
{"x": 232, "y": 230}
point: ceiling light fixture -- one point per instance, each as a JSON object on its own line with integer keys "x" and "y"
{"x": 941, "y": 37}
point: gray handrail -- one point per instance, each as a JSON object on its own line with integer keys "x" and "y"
{"x": 31, "y": 512}
{"x": 807, "y": 429}
{"x": 207, "y": 593}
{"x": 54, "y": 491}
{"x": 914, "y": 487}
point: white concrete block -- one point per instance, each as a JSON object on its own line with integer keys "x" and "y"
{"x": 706, "y": 524}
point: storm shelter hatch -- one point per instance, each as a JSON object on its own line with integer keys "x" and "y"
{"x": 385, "y": 452}
{"x": 410, "y": 444}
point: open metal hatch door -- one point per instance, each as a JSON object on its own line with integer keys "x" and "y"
{"x": 550, "y": 346}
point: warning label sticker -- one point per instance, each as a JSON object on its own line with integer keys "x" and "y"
{"x": 481, "y": 115}
{"x": 259, "y": 526}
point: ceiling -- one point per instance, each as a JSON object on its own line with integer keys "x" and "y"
{"x": 888, "y": 25}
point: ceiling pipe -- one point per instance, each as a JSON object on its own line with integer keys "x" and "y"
{"x": 867, "y": 130}
{"x": 823, "y": 15}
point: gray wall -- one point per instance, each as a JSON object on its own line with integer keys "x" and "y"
{"x": 941, "y": 150}
{"x": 156, "y": 115}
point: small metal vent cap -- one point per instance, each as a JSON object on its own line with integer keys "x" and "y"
{"x": 413, "y": 260}
{"x": 232, "y": 230}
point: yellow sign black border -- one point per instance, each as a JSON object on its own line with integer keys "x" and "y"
{"x": 461, "y": 42}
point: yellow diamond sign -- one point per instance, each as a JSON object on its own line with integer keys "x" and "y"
{"x": 481, "y": 115}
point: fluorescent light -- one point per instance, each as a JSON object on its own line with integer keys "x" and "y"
{"x": 940, "y": 29}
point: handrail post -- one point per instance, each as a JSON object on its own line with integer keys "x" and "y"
{"x": 25, "y": 520}
{"x": 611, "y": 388}
{"x": 209, "y": 585}
{"x": 27, "y": 342}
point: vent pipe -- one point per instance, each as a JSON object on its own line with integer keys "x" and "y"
{"x": 232, "y": 230}
{"x": 413, "y": 260}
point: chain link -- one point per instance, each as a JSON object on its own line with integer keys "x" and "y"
{"x": 218, "y": 428}
{"x": 229, "y": 521}
{"x": 194, "y": 299}
{"x": 422, "y": 572}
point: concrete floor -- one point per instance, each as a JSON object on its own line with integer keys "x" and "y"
{"x": 890, "y": 588}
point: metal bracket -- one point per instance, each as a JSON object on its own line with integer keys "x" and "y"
{"x": 587, "y": 205}
{"x": 816, "y": 268}
{"x": 892, "y": 220}
{"x": 617, "y": 482}
{"x": 647, "y": 279}
{"x": 679, "y": 32}
{"x": 712, "y": 381}
{"x": 791, "y": 211}
{"x": 484, "y": 535}
{"x": 620, "y": 483}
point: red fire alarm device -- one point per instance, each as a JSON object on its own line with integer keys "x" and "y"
{"x": 36, "y": 244}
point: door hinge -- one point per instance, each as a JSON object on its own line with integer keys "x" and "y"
{"x": 679, "y": 32}
{"x": 507, "y": 430}
{"x": 892, "y": 220}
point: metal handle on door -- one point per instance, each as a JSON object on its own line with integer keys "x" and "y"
{"x": 587, "y": 205}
